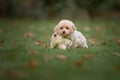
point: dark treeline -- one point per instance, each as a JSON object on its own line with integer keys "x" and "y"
{"x": 60, "y": 8}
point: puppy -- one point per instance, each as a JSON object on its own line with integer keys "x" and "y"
{"x": 60, "y": 42}
{"x": 67, "y": 30}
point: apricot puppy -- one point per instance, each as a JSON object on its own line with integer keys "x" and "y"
{"x": 65, "y": 29}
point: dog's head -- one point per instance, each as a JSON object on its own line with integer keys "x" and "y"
{"x": 65, "y": 28}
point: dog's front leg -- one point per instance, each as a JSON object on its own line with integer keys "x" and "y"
{"x": 62, "y": 46}
{"x": 53, "y": 44}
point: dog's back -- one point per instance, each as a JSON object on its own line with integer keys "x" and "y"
{"x": 79, "y": 40}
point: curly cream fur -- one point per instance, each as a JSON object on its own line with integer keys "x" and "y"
{"x": 67, "y": 30}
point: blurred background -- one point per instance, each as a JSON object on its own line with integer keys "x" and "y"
{"x": 26, "y": 27}
{"x": 47, "y": 9}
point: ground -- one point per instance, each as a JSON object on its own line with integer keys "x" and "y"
{"x": 25, "y": 52}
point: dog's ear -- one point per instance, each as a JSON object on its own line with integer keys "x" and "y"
{"x": 55, "y": 29}
{"x": 74, "y": 27}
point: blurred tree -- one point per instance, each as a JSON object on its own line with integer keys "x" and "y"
{"x": 95, "y": 7}
{"x": 53, "y": 7}
{"x": 10, "y": 9}
{"x": 57, "y": 8}
{"x": 2, "y": 8}
{"x": 89, "y": 5}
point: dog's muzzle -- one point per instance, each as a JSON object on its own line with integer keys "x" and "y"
{"x": 63, "y": 32}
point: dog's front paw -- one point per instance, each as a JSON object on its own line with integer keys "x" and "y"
{"x": 86, "y": 46}
{"x": 62, "y": 47}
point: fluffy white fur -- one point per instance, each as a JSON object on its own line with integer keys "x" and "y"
{"x": 79, "y": 40}
{"x": 67, "y": 32}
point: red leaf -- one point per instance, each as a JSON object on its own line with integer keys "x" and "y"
{"x": 33, "y": 64}
{"x": 78, "y": 63}
{"x": 29, "y": 35}
{"x": 38, "y": 42}
{"x": 32, "y": 52}
{"x": 89, "y": 56}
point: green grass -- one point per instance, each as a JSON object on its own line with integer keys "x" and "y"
{"x": 15, "y": 59}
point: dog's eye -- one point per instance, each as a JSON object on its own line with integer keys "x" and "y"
{"x": 67, "y": 27}
{"x": 61, "y": 28}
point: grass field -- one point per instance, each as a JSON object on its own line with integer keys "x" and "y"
{"x": 25, "y": 52}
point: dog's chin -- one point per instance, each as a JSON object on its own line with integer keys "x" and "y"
{"x": 65, "y": 35}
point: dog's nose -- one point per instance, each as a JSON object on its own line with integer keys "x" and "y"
{"x": 63, "y": 32}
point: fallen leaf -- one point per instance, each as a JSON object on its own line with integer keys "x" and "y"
{"x": 118, "y": 42}
{"x": 15, "y": 24}
{"x": 94, "y": 37}
{"x": 11, "y": 55}
{"x": 13, "y": 43}
{"x": 33, "y": 63}
{"x": 15, "y": 74}
{"x": 29, "y": 34}
{"x": 38, "y": 42}
{"x": 98, "y": 28}
{"x": 89, "y": 56}
{"x": 61, "y": 57}
{"x": 103, "y": 43}
{"x": 1, "y": 74}
{"x": 32, "y": 27}
{"x": 111, "y": 39}
{"x": 78, "y": 63}
{"x": 32, "y": 52}
{"x": 46, "y": 45}
{"x": 47, "y": 73}
{"x": 116, "y": 53}
{"x": 118, "y": 67}
{"x": 1, "y": 55}
{"x": 47, "y": 57}
{"x": 1, "y": 31}
{"x": 2, "y": 41}
{"x": 91, "y": 41}
{"x": 87, "y": 29}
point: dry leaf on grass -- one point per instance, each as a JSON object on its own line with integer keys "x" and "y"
{"x": 1, "y": 55}
{"x": 118, "y": 67}
{"x": 15, "y": 24}
{"x": 13, "y": 43}
{"x": 32, "y": 27}
{"x": 33, "y": 63}
{"x": 111, "y": 39}
{"x": 29, "y": 35}
{"x": 87, "y": 28}
{"x": 47, "y": 57}
{"x": 100, "y": 29}
{"x": 38, "y": 42}
{"x": 116, "y": 53}
{"x": 103, "y": 43}
{"x": 61, "y": 57}
{"x": 91, "y": 41}
{"x": 1, "y": 31}
{"x": 15, "y": 74}
{"x": 11, "y": 54}
{"x": 32, "y": 52}
{"x": 93, "y": 37}
{"x": 1, "y": 74}
{"x": 89, "y": 56}
{"x": 118, "y": 42}
{"x": 46, "y": 45}
{"x": 78, "y": 63}
{"x": 2, "y": 41}
{"x": 47, "y": 73}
